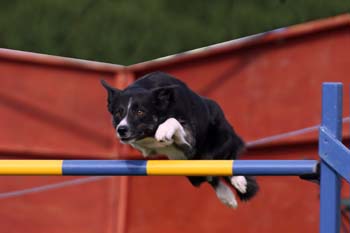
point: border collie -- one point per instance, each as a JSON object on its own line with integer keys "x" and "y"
{"x": 159, "y": 114}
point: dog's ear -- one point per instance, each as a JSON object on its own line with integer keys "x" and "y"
{"x": 112, "y": 92}
{"x": 164, "y": 96}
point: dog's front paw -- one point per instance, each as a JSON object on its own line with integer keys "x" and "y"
{"x": 166, "y": 131}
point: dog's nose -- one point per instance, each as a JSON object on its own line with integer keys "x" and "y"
{"x": 122, "y": 130}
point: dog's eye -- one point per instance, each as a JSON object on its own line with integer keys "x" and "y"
{"x": 140, "y": 113}
{"x": 118, "y": 113}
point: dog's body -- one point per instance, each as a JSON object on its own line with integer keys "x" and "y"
{"x": 159, "y": 114}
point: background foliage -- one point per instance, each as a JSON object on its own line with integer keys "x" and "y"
{"x": 126, "y": 32}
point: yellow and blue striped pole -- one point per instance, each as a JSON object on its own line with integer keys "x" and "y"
{"x": 158, "y": 167}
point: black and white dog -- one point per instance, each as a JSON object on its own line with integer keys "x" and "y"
{"x": 159, "y": 114}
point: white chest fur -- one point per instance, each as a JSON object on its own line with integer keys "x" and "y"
{"x": 168, "y": 134}
{"x": 150, "y": 146}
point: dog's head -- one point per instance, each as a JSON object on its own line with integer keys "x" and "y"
{"x": 137, "y": 112}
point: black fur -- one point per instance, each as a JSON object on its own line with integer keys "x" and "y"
{"x": 160, "y": 97}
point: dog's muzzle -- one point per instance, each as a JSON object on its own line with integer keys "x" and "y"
{"x": 123, "y": 131}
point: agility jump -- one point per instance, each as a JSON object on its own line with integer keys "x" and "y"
{"x": 334, "y": 163}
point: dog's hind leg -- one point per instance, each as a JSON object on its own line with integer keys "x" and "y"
{"x": 240, "y": 183}
{"x": 246, "y": 186}
{"x": 223, "y": 192}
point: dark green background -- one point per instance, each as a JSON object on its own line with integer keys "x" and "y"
{"x": 126, "y": 32}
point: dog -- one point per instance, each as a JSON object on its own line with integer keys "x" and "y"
{"x": 160, "y": 115}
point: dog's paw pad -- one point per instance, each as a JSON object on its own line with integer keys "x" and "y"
{"x": 240, "y": 183}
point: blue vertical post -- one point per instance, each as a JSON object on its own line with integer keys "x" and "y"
{"x": 330, "y": 181}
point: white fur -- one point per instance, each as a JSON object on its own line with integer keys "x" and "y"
{"x": 169, "y": 131}
{"x": 163, "y": 142}
{"x": 150, "y": 146}
{"x": 225, "y": 195}
{"x": 240, "y": 183}
{"x": 124, "y": 121}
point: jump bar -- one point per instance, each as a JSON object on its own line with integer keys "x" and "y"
{"x": 158, "y": 167}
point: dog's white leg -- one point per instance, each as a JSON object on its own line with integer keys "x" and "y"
{"x": 169, "y": 131}
{"x": 240, "y": 183}
{"x": 225, "y": 195}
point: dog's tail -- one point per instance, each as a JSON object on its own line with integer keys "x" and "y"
{"x": 245, "y": 186}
